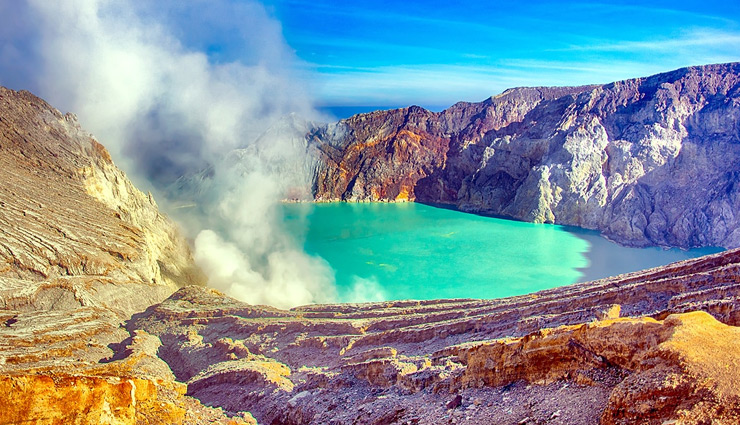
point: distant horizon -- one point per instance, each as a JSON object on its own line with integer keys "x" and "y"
{"x": 346, "y": 111}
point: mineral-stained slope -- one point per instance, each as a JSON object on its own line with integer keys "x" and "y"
{"x": 658, "y": 345}
{"x": 81, "y": 249}
{"x": 649, "y": 161}
{"x": 80, "y": 366}
{"x": 74, "y": 231}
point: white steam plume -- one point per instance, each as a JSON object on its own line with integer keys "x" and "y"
{"x": 365, "y": 290}
{"x": 149, "y": 80}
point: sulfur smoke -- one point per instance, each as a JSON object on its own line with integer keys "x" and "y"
{"x": 174, "y": 88}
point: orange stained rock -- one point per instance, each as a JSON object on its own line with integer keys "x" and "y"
{"x": 403, "y": 195}
{"x": 406, "y": 135}
{"x": 55, "y": 399}
{"x": 692, "y": 377}
{"x": 684, "y": 368}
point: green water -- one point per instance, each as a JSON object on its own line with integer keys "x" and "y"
{"x": 383, "y": 251}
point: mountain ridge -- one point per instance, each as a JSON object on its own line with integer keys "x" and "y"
{"x": 587, "y": 156}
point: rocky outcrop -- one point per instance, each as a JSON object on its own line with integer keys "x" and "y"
{"x": 649, "y": 161}
{"x": 80, "y": 366}
{"x": 383, "y": 155}
{"x": 81, "y": 249}
{"x": 678, "y": 369}
{"x": 74, "y": 231}
{"x": 659, "y": 344}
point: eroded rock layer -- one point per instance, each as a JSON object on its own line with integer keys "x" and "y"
{"x": 74, "y": 231}
{"x": 661, "y": 345}
{"x": 81, "y": 366}
{"x": 81, "y": 249}
{"x": 649, "y": 161}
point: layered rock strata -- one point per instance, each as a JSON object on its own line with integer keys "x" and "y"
{"x": 648, "y": 161}
{"x": 81, "y": 249}
{"x": 80, "y": 366}
{"x": 74, "y": 231}
{"x": 660, "y": 345}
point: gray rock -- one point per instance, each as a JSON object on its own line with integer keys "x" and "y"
{"x": 74, "y": 231}
{"x": 648, "y": 161}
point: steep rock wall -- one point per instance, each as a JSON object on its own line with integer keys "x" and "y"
{"x": 81, "y": 250}
{"x": 649, "y": 161}
{"x": 74, "y": 231}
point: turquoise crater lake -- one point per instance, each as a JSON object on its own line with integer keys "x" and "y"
{"x": 386, "y": 251}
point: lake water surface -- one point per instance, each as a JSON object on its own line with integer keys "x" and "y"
{"x": 386, "y": 251}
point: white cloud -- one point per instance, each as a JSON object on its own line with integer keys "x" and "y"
{"x": 704, "y": 38}
{"x": 595, "y": 62}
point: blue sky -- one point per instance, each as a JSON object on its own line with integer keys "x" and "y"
{"x": 434, "y": 53}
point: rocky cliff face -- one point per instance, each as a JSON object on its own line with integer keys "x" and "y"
{"x": 649, "y": 161}
{"x": 74, "y": 231}
{"x": 81, "y": 249}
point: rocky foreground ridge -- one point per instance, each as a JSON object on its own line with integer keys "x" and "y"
{"x": 649, "y": 347}
{"x": 648, "y": 161}
{"x": 83, "y": 250}
{"x": 655, "y": 347}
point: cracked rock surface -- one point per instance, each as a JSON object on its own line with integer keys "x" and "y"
{"x": 81, "y": 249}
{"x": 74, "y": 231}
